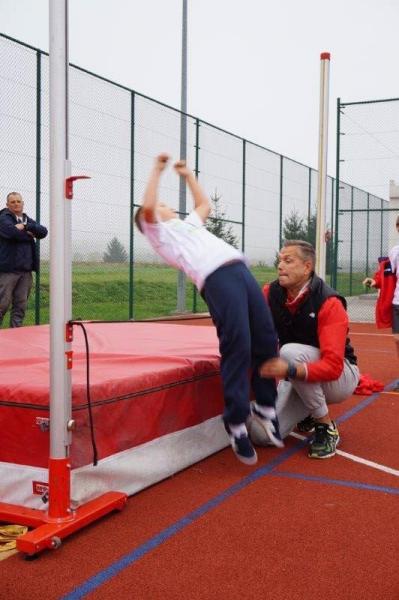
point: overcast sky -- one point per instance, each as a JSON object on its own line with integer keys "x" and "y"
{"x": 254, "y": 65}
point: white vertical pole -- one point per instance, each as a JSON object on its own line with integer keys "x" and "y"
{"x": 60, "y": 278}
{"x": 322, "y": 167}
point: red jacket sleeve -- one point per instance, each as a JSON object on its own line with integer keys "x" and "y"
{"x": 377, "y": 279}
{"x": 386, "y": 283}
{"x": 332, "y": 332}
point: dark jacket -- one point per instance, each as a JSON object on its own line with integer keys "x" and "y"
{"x": 302, "y": 326}
{"x": 17, "y": 247}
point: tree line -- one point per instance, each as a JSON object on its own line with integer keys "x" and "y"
{"x": 216, "y": 224}
{"x": 294, "y": 228}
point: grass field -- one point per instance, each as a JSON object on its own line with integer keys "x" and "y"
{"x": 101, "y": 291}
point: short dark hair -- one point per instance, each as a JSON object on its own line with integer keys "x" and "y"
{"x": 137, "y": 219}
{"x": 307, "y": 250}
{"x": 13, "y": 194}
{"x": 397, "y": 221}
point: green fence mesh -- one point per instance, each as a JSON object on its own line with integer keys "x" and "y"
{"x": 367, "y": 159}
{"x": 114, "y": 134}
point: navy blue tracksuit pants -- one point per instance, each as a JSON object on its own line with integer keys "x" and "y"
{"x": 246, "y": 337}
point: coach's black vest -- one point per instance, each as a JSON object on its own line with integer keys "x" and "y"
{"x": 301, "y": 327}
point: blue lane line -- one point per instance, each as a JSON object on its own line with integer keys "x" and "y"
{"x": 103, "y": 576}
{"x": 364, "y": 403}
{"x": 349, "y": 484}
{"x": 359, "y": 407}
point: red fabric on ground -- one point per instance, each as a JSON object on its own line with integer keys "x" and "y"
{"x": 367, "y": 385}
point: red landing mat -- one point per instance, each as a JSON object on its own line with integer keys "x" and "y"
{"x": 148, "y": 382}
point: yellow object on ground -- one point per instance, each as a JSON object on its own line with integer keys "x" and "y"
{"x": 8, "y": 536}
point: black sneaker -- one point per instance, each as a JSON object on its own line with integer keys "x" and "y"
{"x": 242, "y": 448}
{"x": 325, "y": 441}
{"x": 270, "y": 426}
{"x": 307, "y": 425}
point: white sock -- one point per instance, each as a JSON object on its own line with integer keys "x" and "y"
{"x": 266, "y": 411}
{"x": 238, "y": 430}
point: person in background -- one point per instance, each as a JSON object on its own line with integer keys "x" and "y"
{"x": 18, "y": 258}
{"x": 386, "y": 280}
{"x": 243, "y": 321}
{"x": 317, "y": 365}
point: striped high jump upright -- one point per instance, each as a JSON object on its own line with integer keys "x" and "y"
{"x": 322, "y": 165}
{"x": 60, "y": 519}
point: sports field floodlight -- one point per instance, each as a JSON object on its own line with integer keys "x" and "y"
{"x": 182, "y": 280}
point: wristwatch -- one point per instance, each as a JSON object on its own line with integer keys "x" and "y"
{"x": 291, "y": 370}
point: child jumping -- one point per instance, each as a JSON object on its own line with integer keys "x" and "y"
{"x": 243, "y": 321}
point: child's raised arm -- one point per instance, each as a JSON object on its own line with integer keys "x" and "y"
{"x": 201, "y": 201}
{"x": 150, "y": 198}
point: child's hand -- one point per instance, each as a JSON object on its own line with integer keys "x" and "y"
{"x": 181, "y": 168}
{"x": 161, "y": 161}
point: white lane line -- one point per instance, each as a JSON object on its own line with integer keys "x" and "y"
{"x": 370, "y": 334}
{"x": 358, "y": 459}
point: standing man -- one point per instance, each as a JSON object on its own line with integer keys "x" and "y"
{"x": 18, "y": 258}
{"x": 243, "y": 322}
{"x": 317, "y": 364}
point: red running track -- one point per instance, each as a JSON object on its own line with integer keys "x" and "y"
{"x": 289, "y": 528}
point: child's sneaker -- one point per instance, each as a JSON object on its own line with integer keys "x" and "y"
{"x": 242, "y": 447}
{"x": 325, "y": 441}
{"x": 269, "y": 425}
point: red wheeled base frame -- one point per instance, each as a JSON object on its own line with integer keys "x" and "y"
{"x": 49, "y": 532}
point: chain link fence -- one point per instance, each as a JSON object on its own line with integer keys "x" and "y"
{"x": 114, "y": 134}
{"x": 367, "y": 158}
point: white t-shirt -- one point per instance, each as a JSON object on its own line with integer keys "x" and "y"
{"x": 394, "y": 260}
{"x": 189, "y": 246}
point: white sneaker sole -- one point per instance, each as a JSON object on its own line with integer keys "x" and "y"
{"x": 269, "y": 430}
{"x": 252, "y": 460}
{"x": 247, "y": 461}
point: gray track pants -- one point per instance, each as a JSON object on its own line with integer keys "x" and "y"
{"x": 299, "y": 399}
{"x": 14, "y": 291}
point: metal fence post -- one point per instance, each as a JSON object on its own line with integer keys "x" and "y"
{"x": 368, "y": 234}
{"x": 181, "y": 277}
{"x": 331, "y": 253}
{"x": 281, "y": 200}
{"x": 335, "y": 277}
{"x": 196, "y": 170}
{"x": 309, "y": 196}
{"x": 351, "y": 248}
{"x": 38, "y": 176}
{"x": 131, "y": 233}
{"x": 244, "y": 157}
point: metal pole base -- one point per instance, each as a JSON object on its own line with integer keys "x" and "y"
{"x": 48, "y": 533}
